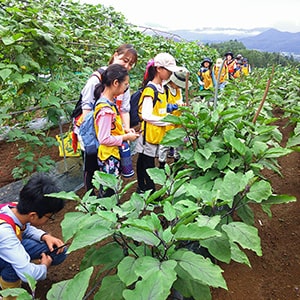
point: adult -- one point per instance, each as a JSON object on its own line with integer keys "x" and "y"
{"x": 125, "y": 56}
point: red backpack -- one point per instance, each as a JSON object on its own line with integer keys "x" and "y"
{"x": 7, "y": 219}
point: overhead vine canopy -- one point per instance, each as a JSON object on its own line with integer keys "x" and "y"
{"x": 49, "y": 48}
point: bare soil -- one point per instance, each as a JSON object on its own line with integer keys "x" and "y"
{"x": 274, "y": 276}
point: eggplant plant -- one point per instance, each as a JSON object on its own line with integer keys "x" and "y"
{"x": 153, "y": 246}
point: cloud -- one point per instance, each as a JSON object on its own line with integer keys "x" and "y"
{"x": 215, "y": 13}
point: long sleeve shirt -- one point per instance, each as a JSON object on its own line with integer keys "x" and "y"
{"x": 104, "y": 120}
{"x": 13, "y": 252}
{"x": 88, "y": 96}
{"x": 147, "y": 109}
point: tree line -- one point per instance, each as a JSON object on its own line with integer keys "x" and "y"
{"x": 257, "y": 59}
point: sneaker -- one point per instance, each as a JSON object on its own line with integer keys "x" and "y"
{"x": 171, "y": 153}
{"x": 139, "y": 191}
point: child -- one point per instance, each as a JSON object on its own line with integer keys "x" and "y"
{"x": 221, "y": 77}
{"x": 230, "y": 63}
{"x": 174, "y": 88}
{"x": 205, "y": 77}
{"x": 153, "y": 128}
{"x": 125, "y": 56}
{"x": 25, "y": 243}
{"x": 108, "y": 123}
{"x": 237, "y": 71}
{"x": 246, "y": 68}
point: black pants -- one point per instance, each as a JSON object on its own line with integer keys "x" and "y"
{"x": 143, "y": 163}
{"x": 107, "y": 193}
{"x": 90, "y": 165}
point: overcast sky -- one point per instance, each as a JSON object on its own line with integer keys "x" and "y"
{"x": 283, "y": 15}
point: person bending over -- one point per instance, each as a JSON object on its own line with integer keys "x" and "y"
{"x": 20, "y": 239}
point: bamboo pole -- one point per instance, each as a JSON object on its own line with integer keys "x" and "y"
{"x": 218, "y": 84}
{"x": 263, "y": 98}
{"x": 187, "y": 88}
{"x": 62, "y": 144}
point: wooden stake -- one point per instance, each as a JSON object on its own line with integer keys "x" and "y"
{"x": 264, "y": 98}
{"x": 187, "y": 88}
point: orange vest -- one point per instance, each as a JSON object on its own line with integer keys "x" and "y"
{"x": 231, "y": 66}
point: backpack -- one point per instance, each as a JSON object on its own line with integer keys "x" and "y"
{"x": 135, "y": 117}
{"x": 7, "y": 219}
{"x": 78, "y": 110}
{"x": 88, "y": 133}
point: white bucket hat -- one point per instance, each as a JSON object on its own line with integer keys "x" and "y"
{"x": 179, "y": 78}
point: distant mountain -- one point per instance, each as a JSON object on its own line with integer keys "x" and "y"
{"x": 262, "y": 39}
{"x": 203, "y": 35}
{"x": 217, "y": 35}
{"x": 274, "y": 40}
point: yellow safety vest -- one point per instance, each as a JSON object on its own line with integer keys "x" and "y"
{"x": 104, "y": 152}
{"x": 224, "y": 73}
{"x": 245, "y": 69}
{"x": 173, "y": 99}
{"x": 206, "y": 78}
{"x": 154, "y": 134}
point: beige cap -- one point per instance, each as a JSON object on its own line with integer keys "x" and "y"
{"x": 219, "y": 62}
{"x": 166, "y": 61}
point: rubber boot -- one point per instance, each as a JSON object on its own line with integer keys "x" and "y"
{"x": 9, "y": 285}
